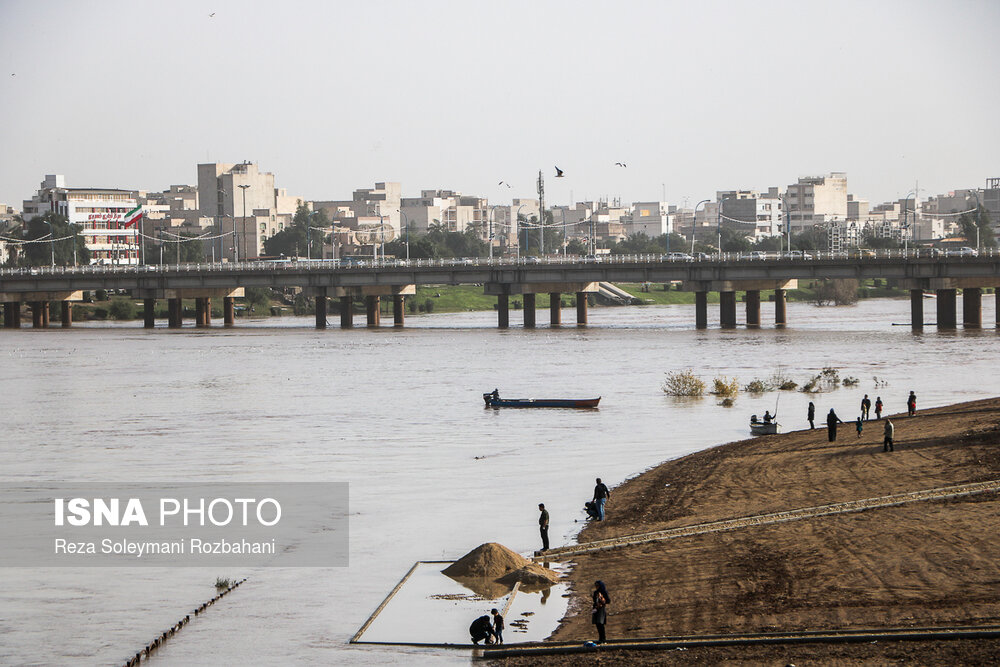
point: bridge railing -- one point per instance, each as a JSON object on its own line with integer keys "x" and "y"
{"x": 672, "y": 258}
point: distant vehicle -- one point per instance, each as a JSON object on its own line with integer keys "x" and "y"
{"x": 592, "y": 258}
{"x": 865, "y": 253}
{"x": 754, "y": 255}
{"x": 839, "y": 254}
{"x": 531, "y": 259}
{"x": 797, "y": 254}
{"x": 676, "y": 257}
{"x": 701, "y": 257}
{"x": 930, "y": 252}
{"x": 962, "y": 252}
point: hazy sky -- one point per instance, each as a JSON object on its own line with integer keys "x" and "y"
{"x": 331, "y": 96}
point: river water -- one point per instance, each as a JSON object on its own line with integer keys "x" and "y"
{"x": 398, "y": 415}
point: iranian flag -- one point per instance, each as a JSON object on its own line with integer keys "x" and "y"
{"x": 133, "y": 216}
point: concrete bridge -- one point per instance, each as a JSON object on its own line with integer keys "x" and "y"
{"x": 504, "y": 278}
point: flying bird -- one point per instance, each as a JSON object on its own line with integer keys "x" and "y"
{"x": 212, "y": 15}
{"x": 620, "y": 164}
{"x": 504, "y": 183}
{"x": 559, "y": 172}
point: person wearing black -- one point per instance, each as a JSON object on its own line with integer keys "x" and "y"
{"x": 811, "y": 415}
{"x": 911, "y": 404}
{"x": 543, "y": 525}
{"x": 497, "y": 625}
{"x": 601, "y": 495}
{"x": 866, "y": 408}
{"x": 481, "y": 629}
{"x": 599, "y": 614}
{"x": 831, "y": 425}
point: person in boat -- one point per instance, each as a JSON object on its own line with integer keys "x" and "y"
{"x": 767, "y": 417}
{"x": 495, "y": 395}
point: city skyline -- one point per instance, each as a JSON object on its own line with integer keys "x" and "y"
{"x": 340, "y": 96}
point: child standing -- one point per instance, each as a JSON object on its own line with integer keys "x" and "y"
{"x": 859, "y": 425}
{"x": 497, "y": 626}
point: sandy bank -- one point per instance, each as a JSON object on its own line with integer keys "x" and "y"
{"x": 930, "y": 563}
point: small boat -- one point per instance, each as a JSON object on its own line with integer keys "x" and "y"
{"x": 763, "y": 428}
{"x": 492, "y": 402}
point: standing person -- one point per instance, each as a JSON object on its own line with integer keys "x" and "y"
{"x": 859, "y": 425}
{"x": 543, "y": 525}
{"x": 866, "y": 408}
{"x": 601, "y": 495}
{"x": 831, "y": 425}
{"x": 811, "y": 415}
{"x": 911, "y": 404}
{"x": 497, "y": 625}
{"x": 889, "y": 432}
{"x": 878, "y": 407}
{"x": 599, "y": 614}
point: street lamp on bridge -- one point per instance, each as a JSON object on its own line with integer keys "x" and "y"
{"x": 694, "y": 224}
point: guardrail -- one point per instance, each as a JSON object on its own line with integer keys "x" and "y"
{"x": 333, "y": 264}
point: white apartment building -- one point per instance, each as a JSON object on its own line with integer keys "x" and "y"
{"x": 816, "y": 200}
{"x": 761, "y": 215}
{"x": 450, "y": 210}
{"x": 649, "y": 218}
{"x": 383, "y": 202}
{"x": 100, "y": 213}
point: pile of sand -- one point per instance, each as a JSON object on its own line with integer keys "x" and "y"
{"x": 490, "y": 561}
{"x": 530, "y": 576}
{"x": 491, "y": 570}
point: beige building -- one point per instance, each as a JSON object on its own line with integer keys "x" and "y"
{"x": 248, "y": 209}
{"x": 760, "y": 215}
{"x": 383, "y": 203}
{"x": 650, "y": 218}
{"x": 450, "y": 210}
{"x": 816, "y": 200}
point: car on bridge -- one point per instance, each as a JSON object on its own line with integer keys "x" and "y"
{"x": 797, "y": 254}
{"x": 753, "y": 255}
{"x": 930, "y": 252}
{"x": 676, "y": 257}
{"x": 962, "y": 252}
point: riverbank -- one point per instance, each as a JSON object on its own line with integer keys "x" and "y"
{"x": 920, "y": 564}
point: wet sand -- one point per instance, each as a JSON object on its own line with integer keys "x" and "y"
{"x": 929, "y": 563}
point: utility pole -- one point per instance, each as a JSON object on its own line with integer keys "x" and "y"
{"x": 541, "y": 214}
{"x": 236, "y": 237}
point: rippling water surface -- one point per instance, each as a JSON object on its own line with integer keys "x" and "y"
{"x": 398, "y": 415}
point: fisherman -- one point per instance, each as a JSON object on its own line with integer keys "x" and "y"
{"x": 889, "y": 432}
{"x": 496, "y": 394}
{"x": 601, "y": 496}
{"x": 481, "y": 629}
{"x": 767, "y": 417}
{"x": 831, "y": 425}
{"x": 543, "y": 525}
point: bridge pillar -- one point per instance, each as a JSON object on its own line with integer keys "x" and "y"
{"x": 996, "y": 296}
{"x": 321, "y": 309}
{"x": 199, "y": 312}
{"x": 972, "y": 308}
{"x": 228, "y": 311}
{"x": 753, "y": 308}
{"x": 727, "y": 310}
{"x": 346, "y": 312}
{"x": 946, "y": 309}
{"x": 372, "y": 304}
{"x": 555, "y": 309}
{"x": 529, "y": 311}
{"x": 175, "y": 314}
{"x": 66, "y": 314}
{"x": 398, "y": 310}
{"x": 36, "y": 314}
{"x": 12, "y": 314}
{"x": 581, "y": 308}
{"x": 780, "y": 318}
{"x": 916, "y": 309}
{"x": 503, "y": 311}
{"x": 701, "y": 310}
{"x": 149, "y": 313}
{"x": 45, "y": 314}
